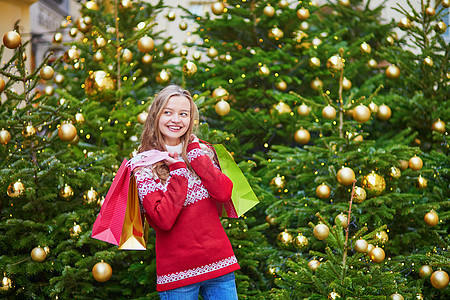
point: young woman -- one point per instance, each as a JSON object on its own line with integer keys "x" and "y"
{"x": 179, "y": 197}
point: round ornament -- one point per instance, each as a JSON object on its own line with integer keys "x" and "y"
{"x": 346, "y": 84}
{"x": 2, "y": 85}
{"x": 11, "y": 40}
{"x": 316, "y": 84}
{"x": 314, "y": 62}
{"x": 403, "y": 164}
{"x": 404, "y": 23}
{"x": 15, "y": 189}
{"x": 361, "y": 113}
{"x": 373, "y": 107}
{"x": 303, "y": 13}
{"x": 323, "y": 191}
{"x": 335, "y": 64}
{"x": 302, "y": 136}
{"x": 99, "y": 85}
{"x": 5, "y": 136}
{"x": 212, "y": 52}
{"x": 392, "y": 72}
{"x": 370, "y": 247}
{"x": 220, "y": 93}
{"x": 359, "y": 194}
{"x": 303, "y": 110}
{"x": 425, "y": 271}
{"x": 276, "y": 33}
{"x": 395, "y": 172}
{"x": 439, "y": 279}
{"x": 282, "y": 108}
{"x": 428, "y": 61}
{"x": 361, "y": 246}
{"x": 264, "y": 71}
{"x": 98, "y": 56}
{"x": 300, "y": 241}
{"x": 269, "y": 11}
{"x": 271, "y": 220}
{"x": 283, "y": 4}
{"x": 189, "y": 68}
{"x": 345, "y": 176}
{"x": 421, "y": 183}
{"x": 313, "y": 264}
{"x": 382, "y": 237}
{"x": 46, "y": 73}
{"x": 365, "y": 48}
{"x": 182, "y": 25}
{"x": 430, "y": 11}
{"x": 127, "y": 55}
{"x": 217, "y": 8}
{"x": 281, "y": 85}
{"x": 142, "y": 117}
{"x": 79, "y": 118}
{"x": 147, "y": 59}
{"x": 66, "y": 192}
{"x": 6, "y": 284}
{"x": 445, "y": 3}
{"x": 431, "y": 218}
{"x": 374, "y": 184}
{"x": 102, "y": 271}
{"x": 415, "y": 163}
{"x": 333, "y": 295}
{"x": 377, "y": 255}
{"x": 197, "y": 55}
{"x": 91, "y": 5}
{"x": 222, "y": 108}
{"x": 396, "y": 296}
{"x": 372, "y": 63}
{"x": 278, "y": 182}
{"x": 49, "y": 90}
{"x": 329, "y": 112}
{"x": 284, "y": 239}
{"x": 440, "y": 27}
{"x": 67, "y": 132}
{"x": 28, "y": 131}
{"x": 341, "y": 219}
{"x": 163, "y": 77}
{"x": 73, "y": 32}
{"x": 59, "y": 78}
{"x": 321, "y": 231}
{"x": 90, "y": 196}
{"x": 438, "y": 126}
{"x": 384, "y": 112}
{"x": 38, "y": 254}
{"x": 146, "y": 44}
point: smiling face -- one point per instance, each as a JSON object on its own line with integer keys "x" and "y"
{"x": 175, "y": 119}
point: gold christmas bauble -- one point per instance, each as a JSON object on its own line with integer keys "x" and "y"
{"x": 344, "y": 2}
{"x": 98, "y": 56}
{"x": 220, "y": 93}
{"x": 92, "y": 5}
{"x": 182, "y": 25}
{"x": 415, "y": 163}
{"x": 46, "y": 73}
{"x": 395, "y": 172}
{"x": 67, "y": 132}
{"x": 49, "y": 90}
{"x": 361, "y": 113}
{"x": 333, "y": 295}
{"x": 430, "y": 11}
{"x": 281, "y": 107}
{"x": 222, "y": 108}
{"x": 73, "y": 32}
{"x": 212, "y": 52}
{"x": 392, "y": 72}
{"x": 99, "y": 85}
{"x": 300, "y": 241}
{"x": 15, "y": 189}
{"x": 396, "y": 296}
{"x": 11, "y": 40}
{"x": 269, "y": 11}
{"x": 2, "y": 85}
{"x": 127, "y": 55}
{"x": 283, "y": 3}
{"x": 403, "y": 164}
{"x": 313, "y": 264}
{"x": 303, "y": 110}
{"x": 302, "y": 136}
{"x": 38, "y": 254}
{"x": 335, "y": 64}
{"x": 276, "y": 33}
{"x": 421, "y": 183}
{"x": 425, "y": 271}
{"x": 147, "y": 59}
{"x": 346, "y": 84}
{"x": 329, "y": 112}
{"x": 5, "y": 136}
{"x": 438, "y": 126}
{"x": 90, "y": 196}
{"x": 373, "y": 107}
{"x": 6, "y": 284}
{"x": 341, "y": 219}
{"x": 59, "y": 78}
{"x": 323, "y": 191}
{"x": 72, "y": 54}
{"x": 271, "y": 220}
{"x": 431, "y": 218}
{"x": 365, "y": 48}
{"x": 217, "y": 8}
{"x": 372, "y": 63}
{"x": 361, "y": 246}
{"x": 102, "y": 271}
{"x": 370, "y": 247}
{"x": 189, "y": 68}
{"x": 303, "y": 13}
{"x": 321, "y": 231}
{"x": 146, "y": 44}
{"x": 428, "y": 61}
{"x": 66, "y": 192}
{"x": 374, "y": 184}
{"x": 445, "y": 3}
{"x": 439, "y": 279}
{"x": 281, "y": 85}
{"x": 28, "y": 131}
{"x": 163, "y": 77}
{"x": 359, "y": 194}
{"x": 58, "y": 38}
{"x": 404, "y": 23}
{"x": 377, "y": 255}
{"x": 100, "y": 42}
{"x": 171, "y": 16}
{"x": 316, "y": 84}
{"x": 264, "y": 71}
{"x": 382, "y": 237}
{"x": 314, "y": 62}
{"x": 142, "y": 117}
{"x": 79, "y": 118}
{"x": 384, "y": 112}
{"x": 278, "y": 182}
{"x": 284, "y": 238}
{"x": 345, "y": 176}
{"x": 197, "y": 55}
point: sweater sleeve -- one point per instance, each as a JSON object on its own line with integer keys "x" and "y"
{"x": 163, "y": 203}
{"x": 219, "y": 186}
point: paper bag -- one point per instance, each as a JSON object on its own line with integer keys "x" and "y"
{"x": 243, "y": 197}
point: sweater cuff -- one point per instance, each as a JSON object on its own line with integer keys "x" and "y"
{"x": 191, "y": 146}
{"x": 177, "y": 165}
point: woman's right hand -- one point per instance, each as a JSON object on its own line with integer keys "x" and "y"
{"x": 173, "y": 158}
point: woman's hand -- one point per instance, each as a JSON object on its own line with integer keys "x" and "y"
{"x": 173, "y": 158}
{"x": 193, "y": 139}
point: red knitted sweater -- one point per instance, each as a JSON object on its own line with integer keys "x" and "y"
{"x": 191, "y": 244}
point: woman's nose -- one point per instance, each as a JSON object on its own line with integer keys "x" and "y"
{"x": 175, "y": 118}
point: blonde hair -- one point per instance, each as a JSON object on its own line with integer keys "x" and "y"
{"x": 151, "y": 137}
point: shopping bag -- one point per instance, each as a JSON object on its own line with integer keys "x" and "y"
{"x": 242, "y": 195}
